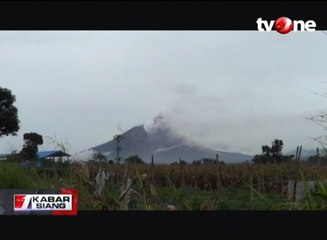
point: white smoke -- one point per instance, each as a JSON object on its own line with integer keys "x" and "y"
{"x": 165, "y": 149}
{"x": 175, "y": 128}
{"x": 87, "y": 155}
{"x": 188, "y": 130}
{"x": 159, "y": 122}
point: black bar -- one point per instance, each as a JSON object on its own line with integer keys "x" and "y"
{"x": 174, "y": 225}
{"x": 154, "y": 15}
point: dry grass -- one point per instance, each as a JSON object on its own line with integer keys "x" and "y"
{"x": 147, "y": 187}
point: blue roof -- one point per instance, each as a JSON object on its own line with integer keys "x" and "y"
{"x": 45, "y": 154}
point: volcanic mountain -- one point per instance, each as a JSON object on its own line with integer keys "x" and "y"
{"x": 166, "y": 147}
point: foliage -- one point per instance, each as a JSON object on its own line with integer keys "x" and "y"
{"x": 9, "y": 122}
{"x": 14, "y": 157}
{"x": 272, "y": 154}
{"x": 12, "y": 176}
{"x": 196, "y": 162}
{"x": 177, "y": 187}
{"x": 209, "y": 161}
{"x": 30, "y": 149}
{"x": 98, "y": 157}
{"x": 134, "y": 159}
{"x": 206, "y": 161}
{"x": 110, "y": 162}
{"x": 182, "y": 162}
{"x": 317, "y": 159}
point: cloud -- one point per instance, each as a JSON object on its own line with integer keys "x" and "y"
{"x": 230, "y": 90}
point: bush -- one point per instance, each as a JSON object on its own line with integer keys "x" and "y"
{"x": 134, "y": 159}
{"x": 14, "y": 157}
{"x": 12, "y": 176}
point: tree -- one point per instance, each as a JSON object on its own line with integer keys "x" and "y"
{"x": 9, "y": 123}
{"x": 196, "y": 162}
{"x": 272, "y": 154}
{"x": 209, "y": 161}
{"x": 99, "y": 157}
{"x": 276, "y": 149}
{"x": 321, "y": 120}
{"x": 134, "y": 159}
{"x": 182, "y": 162}
{"x": 30, "y": 148}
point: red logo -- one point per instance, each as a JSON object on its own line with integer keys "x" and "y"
{"x": 63, "y": 203}
{"x": 283, "y": 25}
{"x": 19, "y": 201}
{"x": 74, "y": 194}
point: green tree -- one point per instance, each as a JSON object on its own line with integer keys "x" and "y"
{"x": 9, "y": 122}
{"x": 209, "y": 161}
{"x": 99, "y": 157}
{"x": 272, "y": 154}
{"x": 134, "y": 159}
{"x": 30, "y": 148}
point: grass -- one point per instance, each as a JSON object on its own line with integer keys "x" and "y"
{"x": 174, "y": 187}
{"x": 12, "y": 176}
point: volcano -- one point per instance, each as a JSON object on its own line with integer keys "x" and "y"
{"x": 165, "y": 146}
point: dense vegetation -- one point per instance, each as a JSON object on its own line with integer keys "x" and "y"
{"x": 206, "y": 186}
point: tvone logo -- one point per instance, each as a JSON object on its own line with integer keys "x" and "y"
{"x": 284, "y": 25}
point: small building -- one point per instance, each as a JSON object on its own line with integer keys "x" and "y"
{"x": 53, "y": 155}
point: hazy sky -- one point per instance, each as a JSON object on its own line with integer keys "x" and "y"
{"x": 231, "y": 90}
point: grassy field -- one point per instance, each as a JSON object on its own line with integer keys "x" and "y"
{"x": 175, "y": 187}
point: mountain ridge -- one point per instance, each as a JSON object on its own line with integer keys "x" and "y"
{"x": 164, "y": 145}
